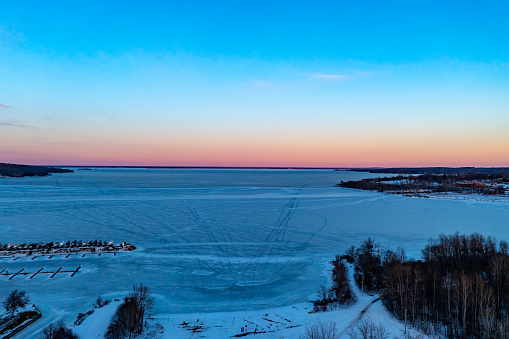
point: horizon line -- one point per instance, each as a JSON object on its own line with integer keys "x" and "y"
{"x": 273, "y": 167}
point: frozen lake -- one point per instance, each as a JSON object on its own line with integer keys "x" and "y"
{"x": 212, "y": 240}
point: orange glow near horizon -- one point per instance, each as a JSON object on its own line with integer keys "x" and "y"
{"x": 270, "y": 152}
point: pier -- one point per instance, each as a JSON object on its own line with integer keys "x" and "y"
{"x": 24, "y": 272}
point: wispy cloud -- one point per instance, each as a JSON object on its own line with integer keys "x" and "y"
{"x": 5, "y": 106}
{"x": 302, "y": 78}
{"x": 13, "y": 124}
{"x": 352, "y": 75}
{"x": 332, "y": 76}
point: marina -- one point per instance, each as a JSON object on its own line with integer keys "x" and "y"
{"x": 14, "y": 252}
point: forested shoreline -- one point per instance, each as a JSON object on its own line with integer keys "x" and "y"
{"x": 17, "y": 171}
{"x": 460, "y": 288}
{"x": 433, "y": 170}
{"x": 464, "y": 183}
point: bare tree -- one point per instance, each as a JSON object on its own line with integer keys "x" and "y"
{"x": 144, "y": 302}
{"x": 129, "y": 319}
{"x": 340, "y": 284}
{"x": 465, "y": 285}
{"x": 15, "y": 300}
{"x": 366, "y": 329}
{"x": 125, "y": 321}
{"x": 320, "y": 305}
{"x": 320, "y": 330}
{"x": 487, "y": 316}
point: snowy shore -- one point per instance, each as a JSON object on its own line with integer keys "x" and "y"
{"x": 282, "y": 322}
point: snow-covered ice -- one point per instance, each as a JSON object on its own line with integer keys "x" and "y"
{"x": 212, "y": 241}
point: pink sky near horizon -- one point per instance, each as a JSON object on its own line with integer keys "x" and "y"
{"x": 265, "y": 153}
{"x": 355, "y": 145}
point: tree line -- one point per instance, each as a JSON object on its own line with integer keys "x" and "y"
{"x": 13, "y": 170}
{"x": 492, "y": 171}
{"x": 459, "y": 290}
{"x": 480, "y": 183}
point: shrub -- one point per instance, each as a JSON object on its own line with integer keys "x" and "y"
{"x": 366, "y": 329}
{"x": 320, "y": 330}
{"x": 58, "y": 331}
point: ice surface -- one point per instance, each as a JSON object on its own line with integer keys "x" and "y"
{"x": 212, "y": 240}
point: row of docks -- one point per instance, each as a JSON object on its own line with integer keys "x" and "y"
{"x": 24, "y": 272}
{"x": 51, "y": 255}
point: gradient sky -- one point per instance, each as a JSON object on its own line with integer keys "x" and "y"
{"x": 255, "y": 83}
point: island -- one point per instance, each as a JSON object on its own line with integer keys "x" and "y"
{"x": 18, "y": 171}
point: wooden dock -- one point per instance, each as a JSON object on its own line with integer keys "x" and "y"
{"x": 46, "y": 256}
{"x": 72, "y": 275}
{"x": 56, "y": 272}
{"x": 15, "y": 274}
{"x": 33, "y": 275}
{"x": 55, "y": 255}
{"x": 38, "y": 272}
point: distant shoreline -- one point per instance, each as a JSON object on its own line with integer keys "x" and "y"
{"x": 389, "y": 170}
{"x": 20, "y": 171}
{"x": 45, "y": 170}
{"x": 432, "y": 170}
{"x": 208, "y": 167}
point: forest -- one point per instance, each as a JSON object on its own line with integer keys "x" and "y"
{"x": 16, "y": 171}
{"x": 460, "y": 288}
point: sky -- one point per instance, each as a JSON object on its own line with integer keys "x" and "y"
{"x": 255, "y": 83}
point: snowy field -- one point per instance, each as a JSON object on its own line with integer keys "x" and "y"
{"x": 213, "y": 244}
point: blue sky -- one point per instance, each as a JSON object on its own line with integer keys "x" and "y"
{"x": 258, "y": 83}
